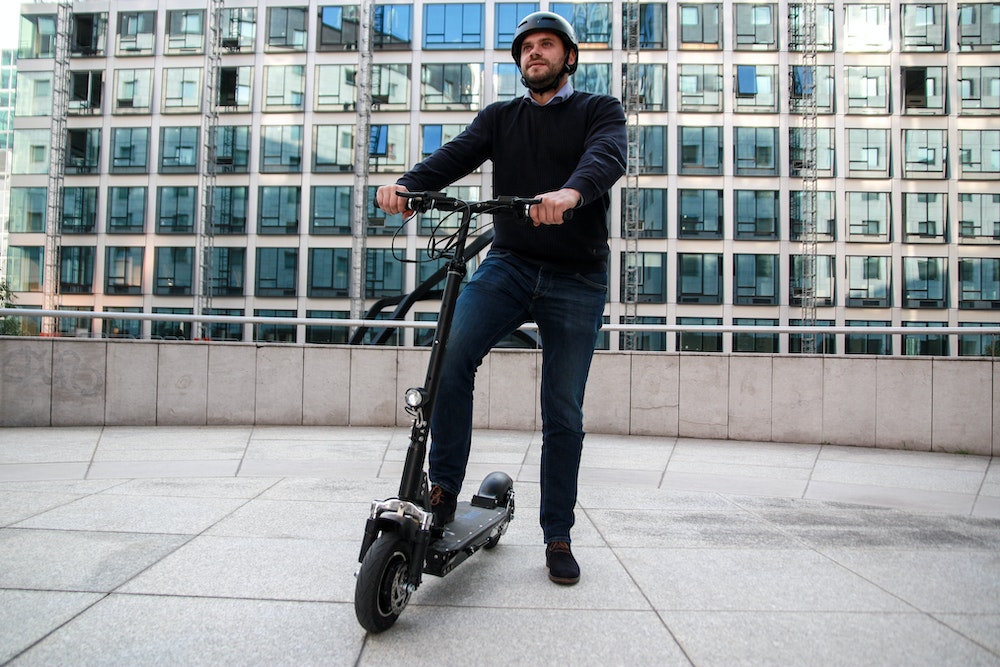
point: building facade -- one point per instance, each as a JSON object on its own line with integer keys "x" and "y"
{"x": 908, "y": 162}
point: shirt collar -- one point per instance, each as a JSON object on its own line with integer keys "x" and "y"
{"x": 560, "y": 95}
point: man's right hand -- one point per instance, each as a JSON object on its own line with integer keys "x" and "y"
{"x": 389, "y": 201}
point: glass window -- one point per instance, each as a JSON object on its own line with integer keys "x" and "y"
{"x": 88, "y": 34}
{"x": 175, "y": 210}
{"x": 699, "y": 26}
{"x": 508, "y": 15}
{"x": 85, "y": 88}
{"x": 170, "y": 329}
{"x": 453, "y": 26}
{"x": 507, "y": 82}
{"x": 179, "y": 150}
{"x": 28, "y": 207}
{"x": 279, "y": 209}
{"x": 174, "y": 270}
{"x": 651, "y": 87}
{"x": 227, "y": 273}
{"x": 229, "y": 210}
{"x": 979, "y": 154}
{"x": 653, "y": 21}
{"x": 925, "y": 344}
{"x": 126, "y": 210}
{"x": 333, "y": 148}
{"x": 336, "y": 89}
{"x": 232, "y": 148}
{"x": 238, "y": 29}
{"x": 980, "y": 283}
{"x": 868, "y": 153}
{"x": 31, "y": 151}
{"x": 653, "y": 144}
{"x": 868, "y": 216}
{"x": 123, "y": 270}
{"x": 136, "y": 33}
{"x": 37, "y": 36}
{"x": 79, "y": 211}
{"x": 867, "y": 89}
{"x": 391, "y": 87}
{"x": 24, "y": 268}
{"x": 120, "y": 327}
{"x": 699, "y": 278}
{"x": 747, "y": 341}
{"x": 83, "y": 150}
{"x": 327, "y": 335}
{"x": 329, "y": 272}
{"x": 824, "y": 27}
{"x": 451, "y": 86}
{"x": 756, "y": 151}
{"x": 925, "y": 90}
{"x": 387, "y": 148}
{"x": 866, "y": 27}
{"x": 34, "y": 94}
{"x": 868, "y": 343}
{"x": 590, "y": 20}
{"x": 924, "y": 27}
{"x": 646, "y": 341}
{"x": 76, "y": 269}
{"x": 392, "y": 27}
{"x": 284, "y": 87}
{"x": 825, "y": 161}
{"x": 277, "y": 332}
{"x": 869, "y": 282}
{"x": 978, "y": 346}
{"x": 925, "y": 282}
{"x": 925, "y": 153}
{"x": 925, "y": 216}
{"x": 281, "y": 148}
{"x": 824, "y": 281}
{"x": 756, "y": 88}
{"x": 756, "y": 214}
{"x": 755, "y": 27}
{"x": 233, "y": 91}
{"x": 331, "y": 209}
{"x": 651, "y": 212}
{"x": 803, "y": 81}
{"x": 593, "y": 78}
{"x": 129, "y": 150}
{"x": 979, "y": 26}
{"x": 699, "y": 88}
{"x": 286, "y": 29}
{"x": 978, "y": 217}
{"x": 224, "y": 330}
{"x": 338, "y": 28}
{"x": 699, "y": 214}
{"x": 822, "y": 343}
{"x": 185, "y": 31}
{"x": 432, "y": 137}
{"x": 383, "y": 273}
{"x": 182, "y": 90}
{"x": 699, "y": 341}
{"x": 700, "y": 150}
{"x": 133, "y": 91}
{"x": 755, "y": 279}
{"x": 652, "y": 273}
{"x": 277, "y": 271}
{"x": 979, "y": 86}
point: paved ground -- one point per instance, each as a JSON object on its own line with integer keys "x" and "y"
{"x": 238, "y": 545}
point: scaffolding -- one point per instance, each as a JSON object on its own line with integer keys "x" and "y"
{"x": 362, "y": 148}
{"x": 204, "y": 256}
{"x": 632, "y": 223}
{"x": 57, "y": 166}
{"x": 805, "y": 29}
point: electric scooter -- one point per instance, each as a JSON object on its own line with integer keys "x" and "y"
{"x": 401, "y": 542}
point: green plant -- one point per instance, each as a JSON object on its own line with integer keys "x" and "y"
{"x": 9, "y": 326}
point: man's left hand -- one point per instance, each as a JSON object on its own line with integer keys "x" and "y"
{"x": 553, "y": 205}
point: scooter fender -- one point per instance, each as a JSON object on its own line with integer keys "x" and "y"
{"x": 387, "y": 522}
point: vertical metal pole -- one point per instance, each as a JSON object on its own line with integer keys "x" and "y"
{"x": 359, "y": 219}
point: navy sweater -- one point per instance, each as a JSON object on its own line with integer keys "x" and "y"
{"x": 580, "y": 143}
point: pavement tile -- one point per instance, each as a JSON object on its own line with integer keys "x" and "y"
{"x": 687, "y": 528}
{"x": 28, "y": 616}
{"x": 892, "y": 496}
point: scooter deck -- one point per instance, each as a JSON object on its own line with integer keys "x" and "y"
{"x": 470, "y": 531}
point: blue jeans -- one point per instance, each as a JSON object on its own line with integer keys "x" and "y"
{"x": 504, "y": 293}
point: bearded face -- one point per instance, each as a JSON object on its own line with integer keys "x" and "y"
{"x": 543, "y": 60}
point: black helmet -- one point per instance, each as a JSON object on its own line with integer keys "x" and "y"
{"x": 548, "y": 22}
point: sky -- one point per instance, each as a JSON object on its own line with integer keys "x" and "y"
{"x": 10, "y": 10}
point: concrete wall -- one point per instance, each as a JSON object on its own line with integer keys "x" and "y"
{"x": 919, "y": 403}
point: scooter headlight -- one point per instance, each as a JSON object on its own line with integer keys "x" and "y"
{"x": 415, "y": 397}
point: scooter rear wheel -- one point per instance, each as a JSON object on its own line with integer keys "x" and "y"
{"x": 381, "y": 593}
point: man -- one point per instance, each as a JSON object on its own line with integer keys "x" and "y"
{"x": 566, "y": 148}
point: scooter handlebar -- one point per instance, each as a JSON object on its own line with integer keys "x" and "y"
{"x": 422, "y": 202}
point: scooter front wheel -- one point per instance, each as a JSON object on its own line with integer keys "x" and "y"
{"x": 381, "y": 591}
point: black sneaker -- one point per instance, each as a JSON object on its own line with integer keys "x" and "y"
{"x": 443, "y": 506}
{"x": 563, "y": 568}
